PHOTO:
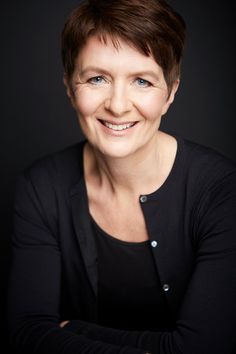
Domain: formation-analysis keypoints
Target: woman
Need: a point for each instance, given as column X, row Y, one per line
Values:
column 125, row 242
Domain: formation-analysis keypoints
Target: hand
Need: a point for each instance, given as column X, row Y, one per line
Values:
column 63, row 323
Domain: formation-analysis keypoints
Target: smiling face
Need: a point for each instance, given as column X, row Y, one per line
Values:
column 119, row 96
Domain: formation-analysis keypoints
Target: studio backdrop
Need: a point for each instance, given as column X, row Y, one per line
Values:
column 36, row 116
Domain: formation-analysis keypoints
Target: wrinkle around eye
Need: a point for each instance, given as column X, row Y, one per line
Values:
column 76, row 85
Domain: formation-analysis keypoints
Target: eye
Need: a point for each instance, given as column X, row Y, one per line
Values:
column 97, row 80
column 142, row 82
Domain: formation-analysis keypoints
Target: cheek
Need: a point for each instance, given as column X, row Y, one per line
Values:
column 152, row 106
column 87, row 103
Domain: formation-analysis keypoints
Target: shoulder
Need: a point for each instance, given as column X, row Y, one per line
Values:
column 52, row 175
column 44, row 187
column 207, row 177
column 203, row 163
column 65, row 165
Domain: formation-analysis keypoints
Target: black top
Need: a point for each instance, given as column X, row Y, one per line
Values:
column 191, row 223
column 130, row 295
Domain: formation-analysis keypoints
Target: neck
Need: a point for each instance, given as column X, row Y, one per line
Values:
column 141, row 173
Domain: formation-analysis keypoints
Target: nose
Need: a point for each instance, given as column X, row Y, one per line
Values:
column 118, row 101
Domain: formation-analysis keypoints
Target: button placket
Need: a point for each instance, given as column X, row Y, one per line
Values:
column 154, row 244
column 143, row 199
column 166, row 287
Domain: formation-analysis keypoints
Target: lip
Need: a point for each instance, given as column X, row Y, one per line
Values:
column 116, row 122
column 119, row 133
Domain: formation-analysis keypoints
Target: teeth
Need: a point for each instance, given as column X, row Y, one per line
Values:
column 118, row 126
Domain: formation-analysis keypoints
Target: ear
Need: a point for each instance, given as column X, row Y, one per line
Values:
column 171, row 96
column 173, row 91
column 69, row 90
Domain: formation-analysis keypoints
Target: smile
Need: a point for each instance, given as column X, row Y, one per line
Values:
column 117, row 127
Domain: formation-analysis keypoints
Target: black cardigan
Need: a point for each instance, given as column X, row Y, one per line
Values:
column 191, row 222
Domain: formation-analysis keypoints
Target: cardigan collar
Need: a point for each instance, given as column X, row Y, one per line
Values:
column 82, row 224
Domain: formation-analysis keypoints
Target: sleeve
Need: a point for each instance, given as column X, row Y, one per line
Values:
column 206, row 321
column 34, row 280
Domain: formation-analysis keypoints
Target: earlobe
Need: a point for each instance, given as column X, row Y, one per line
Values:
column 171, row 96
column 67, row 85
column 173, row 91
column 69, row 90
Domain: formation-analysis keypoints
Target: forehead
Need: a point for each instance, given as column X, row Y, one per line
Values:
column 119, row 55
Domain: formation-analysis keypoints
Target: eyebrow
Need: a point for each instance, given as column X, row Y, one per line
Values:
column 106, row 72
column 93, row 69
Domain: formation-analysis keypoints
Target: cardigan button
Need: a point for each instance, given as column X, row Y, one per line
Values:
column 166, row 287
column 154, row 244
column 143, row 199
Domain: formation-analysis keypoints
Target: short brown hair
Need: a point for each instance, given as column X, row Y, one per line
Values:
column 151, row 26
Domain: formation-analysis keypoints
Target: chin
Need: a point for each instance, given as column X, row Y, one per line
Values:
column 116, row 151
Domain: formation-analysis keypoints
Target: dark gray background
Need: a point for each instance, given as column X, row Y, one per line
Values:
column 36, row 115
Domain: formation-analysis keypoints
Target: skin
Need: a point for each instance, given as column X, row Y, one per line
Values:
column 126, row 87
column 120, row 97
